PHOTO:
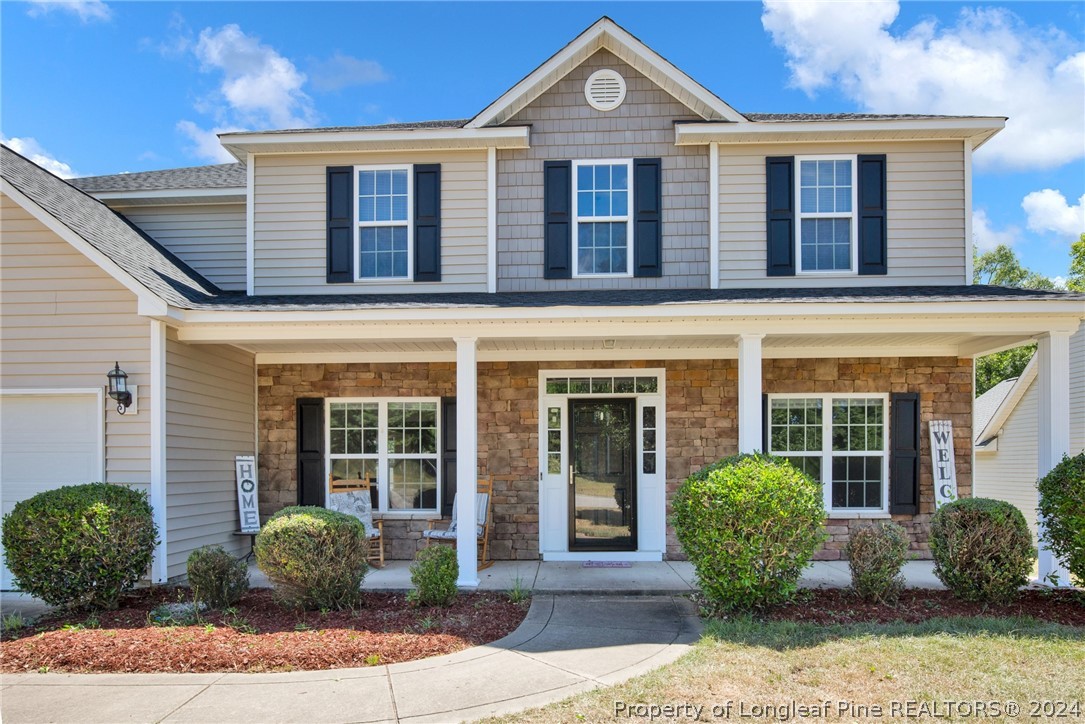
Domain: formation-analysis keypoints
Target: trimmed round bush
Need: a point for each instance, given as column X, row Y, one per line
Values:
column 216, row 577
column 80, row 546
column 982, row 549
column 749, row 524
column 1062, row 508
column 876, row 553
column 434, row 573
column 317, row 558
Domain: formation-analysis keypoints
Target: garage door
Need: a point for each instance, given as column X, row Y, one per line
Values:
column 47, row 441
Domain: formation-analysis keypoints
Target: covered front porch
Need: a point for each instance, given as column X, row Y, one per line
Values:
column 695, row 374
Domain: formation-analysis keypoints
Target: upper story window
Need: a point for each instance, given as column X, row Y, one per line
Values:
column 826, row 224
column 839, row 441
column 383, row 242
column 603, row 222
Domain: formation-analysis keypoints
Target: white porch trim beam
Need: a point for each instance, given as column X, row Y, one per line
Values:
column 1053, row 419
column 750, row 418
column 466, row 459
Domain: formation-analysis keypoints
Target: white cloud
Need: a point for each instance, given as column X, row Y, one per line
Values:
column 33, row 150
column 87, row 10
column 1048, row 210
column 205, row 143
column 989, row 63
column 986, row 237
column 259, row 85
column 343, row 71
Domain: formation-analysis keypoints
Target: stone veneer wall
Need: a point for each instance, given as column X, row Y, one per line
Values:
column 702, row 427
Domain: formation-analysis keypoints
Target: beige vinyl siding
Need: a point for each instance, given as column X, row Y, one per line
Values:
column 1077, row 391
column 63, row 324
column 210, row 238
column 565, row 128
column 1010, row 473
column 925, row 215
column 210, row 418
column 289, row 233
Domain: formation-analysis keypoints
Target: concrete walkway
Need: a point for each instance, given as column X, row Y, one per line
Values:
column 566, row 645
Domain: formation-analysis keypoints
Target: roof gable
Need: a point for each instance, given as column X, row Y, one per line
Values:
column 605, row 33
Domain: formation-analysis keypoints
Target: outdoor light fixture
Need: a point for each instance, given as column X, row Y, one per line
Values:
column 118, row 387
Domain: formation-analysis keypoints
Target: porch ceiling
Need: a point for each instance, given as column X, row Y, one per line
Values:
column 659, row 347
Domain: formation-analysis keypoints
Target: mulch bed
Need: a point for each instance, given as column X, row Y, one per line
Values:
column 260, row 636
column 841, row 606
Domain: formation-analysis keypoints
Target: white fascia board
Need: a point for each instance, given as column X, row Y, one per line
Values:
column 147, row 299
column 979, row 130
column 1009, row 403
column 442, row 139
column 167, row 195
column 603, row 34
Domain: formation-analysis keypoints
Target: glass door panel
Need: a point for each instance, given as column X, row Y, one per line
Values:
column 602, row 475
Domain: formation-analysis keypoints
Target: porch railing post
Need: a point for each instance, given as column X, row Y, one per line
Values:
column 466, row 459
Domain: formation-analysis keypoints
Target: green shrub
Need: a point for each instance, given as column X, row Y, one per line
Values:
column 434, row 573
column 216, row 577
column 982, row 549
column 1062, row 507
column 876, row 554
column 315, row 557
column 750, row 525
column 80, row 546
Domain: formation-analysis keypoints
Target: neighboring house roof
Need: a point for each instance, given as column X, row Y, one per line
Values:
column 411, row 126
column 992, row 409
column 219, row 176
column 136, row 254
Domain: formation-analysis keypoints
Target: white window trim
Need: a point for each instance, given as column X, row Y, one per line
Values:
column 827, row 452
column 383, row 457
column 628, row 218
column 799, row 216
column 409, row 223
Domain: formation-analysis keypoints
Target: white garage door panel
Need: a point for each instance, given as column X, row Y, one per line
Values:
column 47, row 441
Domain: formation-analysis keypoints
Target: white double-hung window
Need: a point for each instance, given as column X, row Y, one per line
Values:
column 394, row 442
column 827, row 226
column 604, row 224
column 383, row 238
column 839, row 441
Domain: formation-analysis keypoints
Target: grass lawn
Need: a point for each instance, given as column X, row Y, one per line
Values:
column 751, row 663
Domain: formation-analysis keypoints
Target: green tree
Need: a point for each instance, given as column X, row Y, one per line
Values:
column 1076, row 281
column 1000, row 266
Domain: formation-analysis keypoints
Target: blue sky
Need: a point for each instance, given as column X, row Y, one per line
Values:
column 93, row 87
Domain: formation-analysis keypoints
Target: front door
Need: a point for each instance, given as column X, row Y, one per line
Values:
column 602, row 475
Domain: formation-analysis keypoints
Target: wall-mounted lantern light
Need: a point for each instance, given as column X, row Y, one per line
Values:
column 118, row 388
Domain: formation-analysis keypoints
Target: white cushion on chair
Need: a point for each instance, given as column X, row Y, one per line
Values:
column 356, row 503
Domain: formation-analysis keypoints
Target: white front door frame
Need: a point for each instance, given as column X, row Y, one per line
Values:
column 651, row 498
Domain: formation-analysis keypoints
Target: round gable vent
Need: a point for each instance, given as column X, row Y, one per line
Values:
column 605, row 89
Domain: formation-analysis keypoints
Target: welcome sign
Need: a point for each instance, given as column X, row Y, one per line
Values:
column 943, row 463
column 247, row 506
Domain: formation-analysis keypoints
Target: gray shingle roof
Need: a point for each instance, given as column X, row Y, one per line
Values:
column 987, row 405
column 221, row 176
column 785, row 117
column 633, row 298
column 410, row 126
column 108, row 232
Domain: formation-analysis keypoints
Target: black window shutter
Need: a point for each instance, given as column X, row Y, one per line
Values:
column 647, row 217
column 340, row 218
column 780, row 215
column 427, row 222
column 310, row 422
column 872, row 235
column 448, row 454
column 766, row 423
column 904, row 453
column 557, row 219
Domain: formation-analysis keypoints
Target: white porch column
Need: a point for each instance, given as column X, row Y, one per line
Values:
column 1053, row 415
column 750, row 422
column 466, row 459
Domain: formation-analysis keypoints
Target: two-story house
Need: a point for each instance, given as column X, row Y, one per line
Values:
column 602, row 281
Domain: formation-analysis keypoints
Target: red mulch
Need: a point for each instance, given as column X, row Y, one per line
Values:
column 841, row 606
column 261, row 636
